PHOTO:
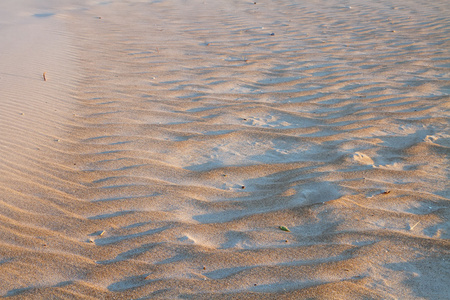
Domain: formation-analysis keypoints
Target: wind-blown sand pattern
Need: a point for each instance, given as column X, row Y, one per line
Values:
column 173, row 138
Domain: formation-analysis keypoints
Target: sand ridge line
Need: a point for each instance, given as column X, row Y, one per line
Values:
column 183, row 104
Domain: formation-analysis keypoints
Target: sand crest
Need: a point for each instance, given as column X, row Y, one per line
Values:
column 171, row 139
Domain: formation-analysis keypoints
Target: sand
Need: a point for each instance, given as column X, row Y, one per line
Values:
column 173, row 138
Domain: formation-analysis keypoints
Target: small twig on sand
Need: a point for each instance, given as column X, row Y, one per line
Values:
column 414, row 225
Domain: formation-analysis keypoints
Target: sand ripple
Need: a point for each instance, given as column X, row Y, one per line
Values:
column 200, row 128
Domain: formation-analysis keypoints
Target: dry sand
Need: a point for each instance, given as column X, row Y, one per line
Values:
column 173, row 138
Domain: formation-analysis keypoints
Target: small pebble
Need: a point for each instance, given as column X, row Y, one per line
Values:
column 243, row 187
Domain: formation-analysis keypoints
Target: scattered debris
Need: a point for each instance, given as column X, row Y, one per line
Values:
column 385, row 192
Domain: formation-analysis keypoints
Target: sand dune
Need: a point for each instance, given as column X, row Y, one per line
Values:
column 173, row 138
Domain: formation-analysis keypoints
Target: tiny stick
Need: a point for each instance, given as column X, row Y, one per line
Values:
column 414, row 225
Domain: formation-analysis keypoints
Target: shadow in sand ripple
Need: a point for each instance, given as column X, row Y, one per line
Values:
column 129, row 254
column 130, row 282
column 116, row 239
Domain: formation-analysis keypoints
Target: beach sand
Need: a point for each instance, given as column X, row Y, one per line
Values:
column 171, row 139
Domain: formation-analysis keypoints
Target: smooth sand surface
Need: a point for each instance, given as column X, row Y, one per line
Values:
column 173, row 138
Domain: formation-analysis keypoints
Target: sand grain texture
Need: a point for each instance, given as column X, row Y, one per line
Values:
column 172, row 139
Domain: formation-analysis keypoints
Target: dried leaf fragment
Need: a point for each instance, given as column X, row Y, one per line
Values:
column 284, row 228
column 44, row 75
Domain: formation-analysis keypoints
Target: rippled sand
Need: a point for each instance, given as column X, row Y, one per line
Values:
column 173, row 138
